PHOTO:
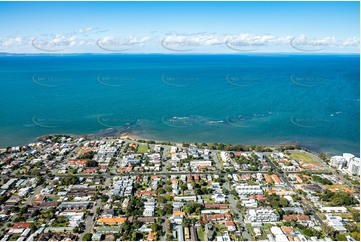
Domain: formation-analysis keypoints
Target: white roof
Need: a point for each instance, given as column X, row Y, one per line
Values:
column 276, row 230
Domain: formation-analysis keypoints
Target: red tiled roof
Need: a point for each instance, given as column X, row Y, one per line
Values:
column 21, row 225
column 229, row 223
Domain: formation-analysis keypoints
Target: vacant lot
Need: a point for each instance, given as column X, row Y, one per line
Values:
column 142, row 148
column 303, row 157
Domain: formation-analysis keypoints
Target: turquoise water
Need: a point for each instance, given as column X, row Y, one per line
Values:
column 313, row 100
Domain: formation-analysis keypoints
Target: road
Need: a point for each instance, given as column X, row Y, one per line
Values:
column 163, row 237
column 90, row 219
column 34, row 193
column 233, row 204
column 215, row 159
column 165, row 159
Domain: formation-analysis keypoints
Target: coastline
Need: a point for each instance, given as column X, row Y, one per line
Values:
column 136, row 137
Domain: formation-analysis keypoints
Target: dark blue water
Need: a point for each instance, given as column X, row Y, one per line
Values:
column 258, row 99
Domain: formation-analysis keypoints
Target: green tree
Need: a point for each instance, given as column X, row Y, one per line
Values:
column 87, row 237
column 356, row 215
column 91, row 163
column 168, row 208
column 328, row 230
column 161, row 190
column 154, row 227
column 283, row 202
column 341, row 237
column 104, row 198
column 192, row 207
column 356, row 235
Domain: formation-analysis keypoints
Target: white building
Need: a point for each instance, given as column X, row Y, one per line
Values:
column 149, row 208
column 354, row 166
column 75, row 218
column 348, row 157
column 262, row 214
column 278, row 234
column 219, row 198
column 235, row 177
column 201, row 163
column 347, row 162
column 185, row 198
column 173, row 149
column 336, row 222
column 249, row 203
column 245, row 189
column 334, row 209
column 338, row 161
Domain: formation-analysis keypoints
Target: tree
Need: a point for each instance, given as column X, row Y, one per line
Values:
column 135, row 225
column 168, row 188
column 341, row 237
column 352, row 227
column 234, row 193
column 33, row 227
column 186, row 222
column 168, row 197
column 356, row 235
column 356, row 215
column 283, row 202
column 192, row 207
column 161, row 190
column 161, row 199
column 61, row 219
column 87, row 237
column 310, row 232
column 168, row 208
column 183, row 187
column 321, row 180
column 98, row 211
column 154, row 227
column 88, row 155
column 134, row 236
column 338, row 198
column 104, row 198
column 328, row 230
column 91, row 163
column 167, row 225
column 323, row 156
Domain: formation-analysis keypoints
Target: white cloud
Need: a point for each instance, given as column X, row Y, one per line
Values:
column 176, row 41
column 85, row 30
column 354, row 42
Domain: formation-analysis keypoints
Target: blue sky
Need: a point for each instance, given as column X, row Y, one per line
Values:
column 179, row 27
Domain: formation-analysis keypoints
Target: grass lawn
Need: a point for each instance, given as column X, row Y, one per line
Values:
column 219, row 157
column 207, row 199
column 219, row 229
column 267, row 228
column 344, row 215
column 304, row 157
column 55, row 224
column 14, row 237
column 200, row 234
column 250, row 231
column 142, row 148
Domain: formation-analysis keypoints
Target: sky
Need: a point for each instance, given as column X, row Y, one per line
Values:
column 179, row 27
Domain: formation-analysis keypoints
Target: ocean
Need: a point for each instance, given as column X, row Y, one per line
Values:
column 312, row 100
